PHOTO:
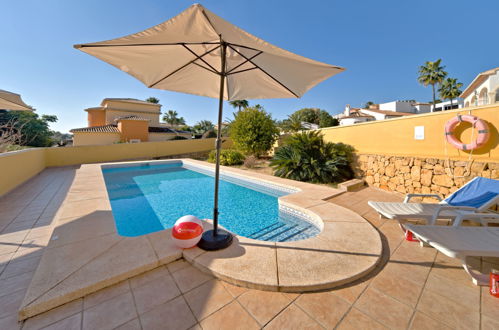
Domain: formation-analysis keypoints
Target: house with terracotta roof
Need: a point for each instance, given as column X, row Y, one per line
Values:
column 124, row 120
column 358, row 115
column 483, row 90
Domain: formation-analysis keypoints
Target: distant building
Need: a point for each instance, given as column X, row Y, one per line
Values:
column 124, row 120
column 483, row 90
column 357, row 115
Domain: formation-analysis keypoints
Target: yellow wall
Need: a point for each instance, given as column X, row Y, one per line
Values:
column 396, row 136
column 18, row 166
column 126, row 151
column 96, row 117
column 91, row 139
column 133, row 129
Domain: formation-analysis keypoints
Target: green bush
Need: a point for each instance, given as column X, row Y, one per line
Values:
column 228, row 157
column 307, row 157
column 253, row 131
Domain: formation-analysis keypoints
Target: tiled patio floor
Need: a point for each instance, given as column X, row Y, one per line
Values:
column 415, row 288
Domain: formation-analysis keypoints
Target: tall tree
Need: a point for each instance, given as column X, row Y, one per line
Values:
column 368, row 104
column 171, row 117
column 34, row 130
column 152, row 99
column 432, row 73
column 239, row 104
column 450, row 89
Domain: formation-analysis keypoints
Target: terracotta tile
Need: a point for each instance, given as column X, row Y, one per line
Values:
column 70, row 323
column 231, row 316
column 263, row 305
column 54, row 315
column 466, row 294
column 490, row 304
column 326, row 308
column 447, row 311
column 410, row 271
column 293, row 318
column 234, row 290
column 424, row 322
column 154, row 293
column 24, row 265
column 130, row 325
column 10, row 322
column 157, row 273
column 177, row 265
column 351, row 293
column 189, row 278
column 110, row 314
column 489, row 323
column 207, row 298
column 105, row 294
column 384, row 309
column 174, row 315
column 15, row 283
column 398, row 287
column 356, row 320
column 9, row 304
column 450, row 268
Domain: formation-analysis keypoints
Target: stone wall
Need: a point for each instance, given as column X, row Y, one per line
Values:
column 420, row 175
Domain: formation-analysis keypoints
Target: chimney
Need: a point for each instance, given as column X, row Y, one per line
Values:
column 347, row 110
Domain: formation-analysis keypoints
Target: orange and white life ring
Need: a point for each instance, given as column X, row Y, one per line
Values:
column 479, row 124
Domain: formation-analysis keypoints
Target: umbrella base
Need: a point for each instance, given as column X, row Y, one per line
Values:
column 211, row 242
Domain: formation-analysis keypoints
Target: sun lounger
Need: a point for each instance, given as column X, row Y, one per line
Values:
column 477, row 195
column 462, row 243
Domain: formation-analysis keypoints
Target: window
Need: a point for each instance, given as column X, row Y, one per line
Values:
column 467, row 104
column 497, row 95
column 473, row 101
column 484, row 97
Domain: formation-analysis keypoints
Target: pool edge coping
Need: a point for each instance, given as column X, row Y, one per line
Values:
column 160, row 246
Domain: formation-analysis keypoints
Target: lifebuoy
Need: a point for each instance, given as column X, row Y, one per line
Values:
column 483, row 132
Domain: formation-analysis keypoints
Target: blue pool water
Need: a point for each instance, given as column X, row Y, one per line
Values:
column 149, row 198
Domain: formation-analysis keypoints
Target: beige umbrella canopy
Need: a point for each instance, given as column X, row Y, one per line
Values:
column 183, row 54
column 199, row 53
column 12, row 101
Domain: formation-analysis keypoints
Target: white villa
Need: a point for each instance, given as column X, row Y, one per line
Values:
column 483, row 90
column 357, row 115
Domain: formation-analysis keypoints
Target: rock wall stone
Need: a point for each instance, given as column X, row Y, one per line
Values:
column 420, row 175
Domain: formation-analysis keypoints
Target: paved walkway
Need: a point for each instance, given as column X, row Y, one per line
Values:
column 415, row 288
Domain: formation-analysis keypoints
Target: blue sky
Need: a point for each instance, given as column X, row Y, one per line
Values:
column 381, row 43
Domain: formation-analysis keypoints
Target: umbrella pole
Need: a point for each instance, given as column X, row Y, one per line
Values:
column 217, row 239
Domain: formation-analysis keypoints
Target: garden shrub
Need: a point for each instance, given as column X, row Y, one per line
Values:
column 253, row 131
column 250, row 162
column 307, row 157
column 228, row 157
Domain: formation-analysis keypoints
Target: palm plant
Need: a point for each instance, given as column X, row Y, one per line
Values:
column 152, row 99
column 171, row 117
column 432, row 73
column 239, row 104
column 450, row 89
column 292, row 124
column 306, row 156
column 203, row 126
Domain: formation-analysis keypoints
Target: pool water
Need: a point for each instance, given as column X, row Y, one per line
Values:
column 149, row 198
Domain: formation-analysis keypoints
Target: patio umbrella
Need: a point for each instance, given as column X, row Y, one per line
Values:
column 12, row 101
column 197, row 52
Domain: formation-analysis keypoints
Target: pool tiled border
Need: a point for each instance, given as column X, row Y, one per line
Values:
column 86, row 254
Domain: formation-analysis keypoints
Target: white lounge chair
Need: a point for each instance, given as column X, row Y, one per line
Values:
column 463, row 242
column 477, row 195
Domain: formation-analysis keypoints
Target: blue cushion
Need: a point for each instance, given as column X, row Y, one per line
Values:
column 476, row 193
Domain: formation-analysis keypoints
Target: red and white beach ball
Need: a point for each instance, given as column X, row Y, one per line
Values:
column 187, row 231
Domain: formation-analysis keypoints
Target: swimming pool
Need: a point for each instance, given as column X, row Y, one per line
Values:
column 148, row 197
